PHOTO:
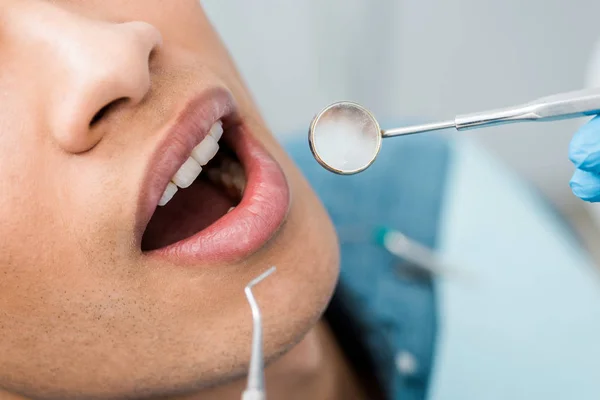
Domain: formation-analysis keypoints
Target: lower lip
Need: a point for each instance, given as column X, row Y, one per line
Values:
column 251, row 224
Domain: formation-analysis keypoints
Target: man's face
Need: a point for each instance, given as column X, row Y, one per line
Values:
column 102, row 293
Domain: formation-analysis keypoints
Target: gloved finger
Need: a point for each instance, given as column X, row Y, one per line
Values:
column 586, row 185
column 584, row 150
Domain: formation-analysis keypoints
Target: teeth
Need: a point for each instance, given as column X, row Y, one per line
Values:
column 230, row 210
column 201, row 155
column 230, row 175
column 206, row 150
column 226, row 164
column 239, row 181
column 227, row 179
column 168, row 194
column 208, row 147
column 187, row 174
column 216, row 131
column 236, row 170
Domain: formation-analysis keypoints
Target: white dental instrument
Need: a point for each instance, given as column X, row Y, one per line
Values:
column 345, row 137
column 255, row 389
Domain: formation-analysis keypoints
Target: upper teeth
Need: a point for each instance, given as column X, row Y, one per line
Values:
column 192, row 167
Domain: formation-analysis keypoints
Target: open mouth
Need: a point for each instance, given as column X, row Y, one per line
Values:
column 207, row 186
column 212, row 191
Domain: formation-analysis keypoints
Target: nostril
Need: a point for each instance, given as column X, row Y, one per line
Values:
column 104, row 110
column 152, row 55
column 99, row 115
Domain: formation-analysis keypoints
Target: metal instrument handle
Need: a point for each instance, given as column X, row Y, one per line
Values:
column 580, row 103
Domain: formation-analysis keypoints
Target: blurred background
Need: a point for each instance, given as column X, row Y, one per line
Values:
column 427, row 59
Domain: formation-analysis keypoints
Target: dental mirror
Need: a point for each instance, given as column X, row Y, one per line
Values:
column 345, row 138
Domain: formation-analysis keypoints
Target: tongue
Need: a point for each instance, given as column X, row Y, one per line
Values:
column 190, row 211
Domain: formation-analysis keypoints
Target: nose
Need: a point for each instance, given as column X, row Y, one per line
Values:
column 90, row 67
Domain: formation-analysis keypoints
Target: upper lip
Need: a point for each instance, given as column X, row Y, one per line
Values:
column 190, row 126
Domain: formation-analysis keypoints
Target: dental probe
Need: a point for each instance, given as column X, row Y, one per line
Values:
column 345, row 137
column 255, row 389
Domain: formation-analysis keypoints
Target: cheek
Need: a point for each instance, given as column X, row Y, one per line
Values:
column 24, row 209
column 97, row 201
column 44, row 214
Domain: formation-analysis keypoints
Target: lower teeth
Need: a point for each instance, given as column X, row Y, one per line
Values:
column 230, row 175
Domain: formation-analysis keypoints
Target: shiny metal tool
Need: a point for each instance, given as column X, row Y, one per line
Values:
column 345, row 137
column 255, row 388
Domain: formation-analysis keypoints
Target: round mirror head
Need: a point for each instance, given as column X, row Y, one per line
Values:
column 345, row 138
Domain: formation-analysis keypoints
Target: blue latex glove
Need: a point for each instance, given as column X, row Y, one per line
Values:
column 584, row 152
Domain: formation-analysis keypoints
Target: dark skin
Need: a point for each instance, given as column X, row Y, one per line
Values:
column 84, row 313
